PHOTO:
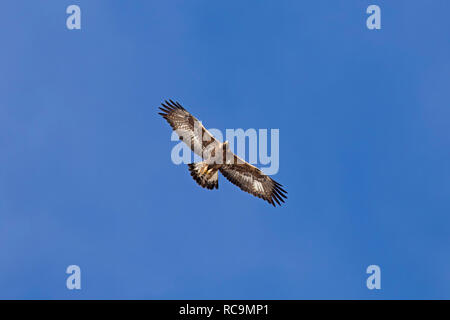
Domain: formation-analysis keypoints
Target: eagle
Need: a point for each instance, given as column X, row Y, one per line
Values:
column 217, row 156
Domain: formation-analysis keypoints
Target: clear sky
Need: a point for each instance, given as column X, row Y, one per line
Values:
column 86, row 176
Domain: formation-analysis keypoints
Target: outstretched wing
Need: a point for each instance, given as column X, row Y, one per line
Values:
column 250, row 179
column 189, row 129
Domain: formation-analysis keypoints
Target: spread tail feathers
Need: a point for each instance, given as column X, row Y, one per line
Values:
column 205, row 176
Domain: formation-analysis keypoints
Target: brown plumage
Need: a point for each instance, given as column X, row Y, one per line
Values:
column 239, row 172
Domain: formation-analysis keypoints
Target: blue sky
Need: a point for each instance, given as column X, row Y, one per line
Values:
column 86, row 176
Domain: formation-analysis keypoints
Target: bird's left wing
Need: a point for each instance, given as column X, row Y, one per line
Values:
column 250, row 179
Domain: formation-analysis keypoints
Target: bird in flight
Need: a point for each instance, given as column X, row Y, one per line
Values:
column 218, row 157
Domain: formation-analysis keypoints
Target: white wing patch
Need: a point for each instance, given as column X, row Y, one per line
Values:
column 257, row 186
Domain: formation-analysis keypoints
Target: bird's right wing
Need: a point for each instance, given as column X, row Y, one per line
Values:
column 189, row 129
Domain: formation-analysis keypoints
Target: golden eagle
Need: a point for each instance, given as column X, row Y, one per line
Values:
column 218, row 157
